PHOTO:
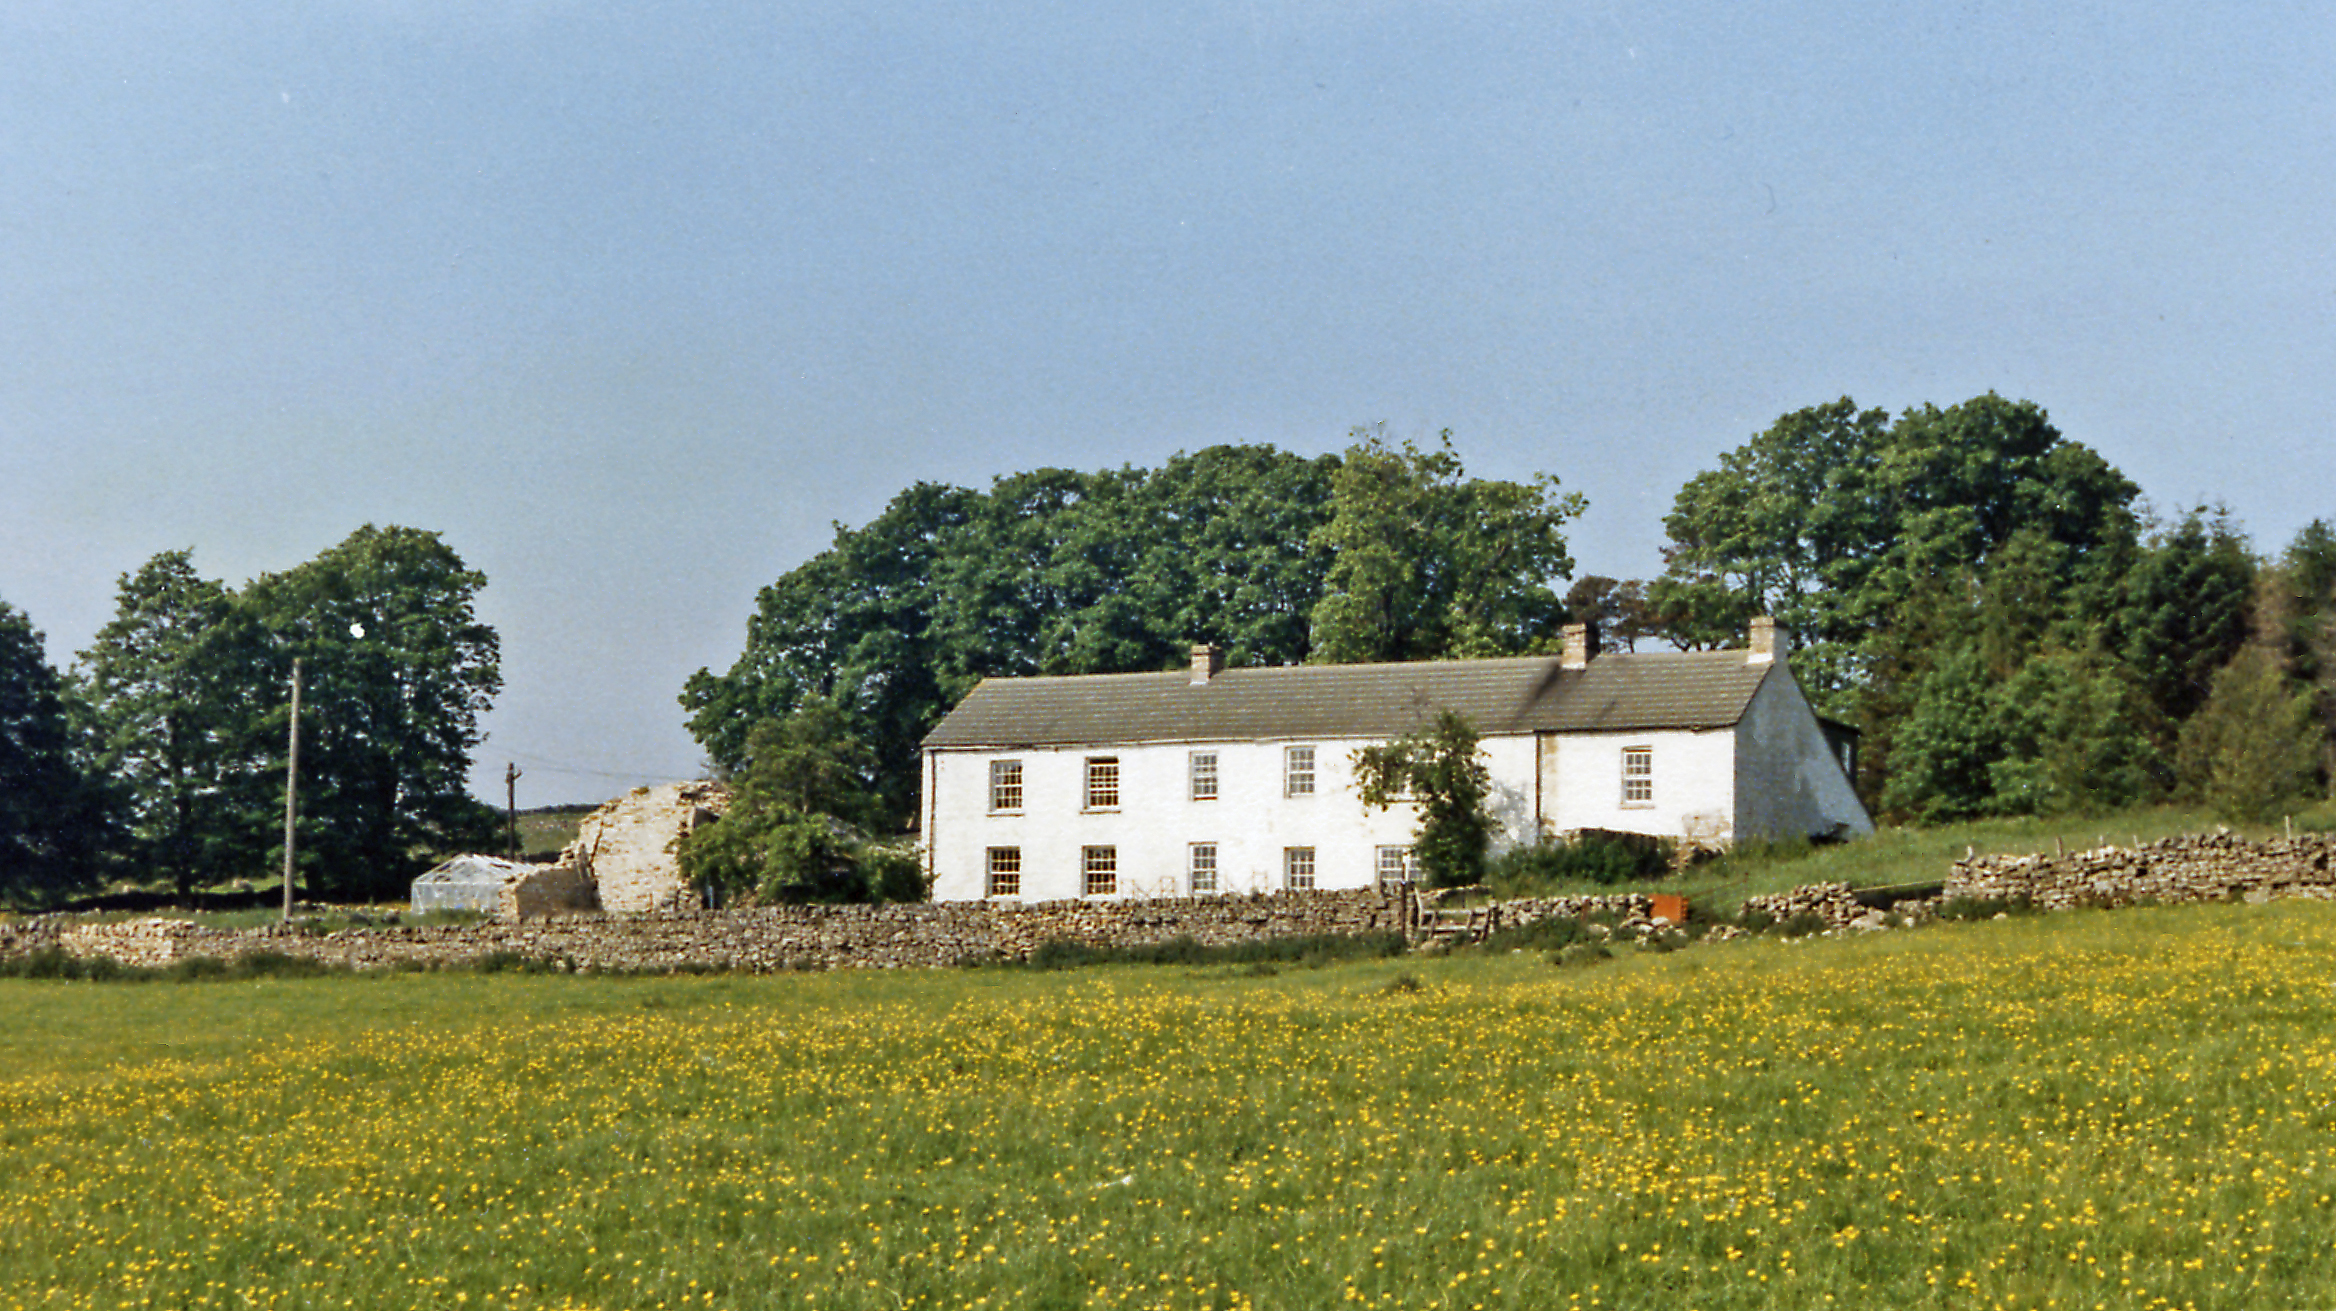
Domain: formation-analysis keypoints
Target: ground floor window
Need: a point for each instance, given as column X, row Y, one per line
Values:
column 1101, row 866
column 1005, row 872
column 1297, row 868
column 1203, row 867
column 1638, row 776
column 1393, row 867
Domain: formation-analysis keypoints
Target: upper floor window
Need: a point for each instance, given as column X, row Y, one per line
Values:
column 1203, row 867
column 1638, row 776
column 1204, row 775
column 1005, row 872
column 1005, row 785
column 1297, row 771
column 1100, row 866
column 1297, row 868
column 1102, row 782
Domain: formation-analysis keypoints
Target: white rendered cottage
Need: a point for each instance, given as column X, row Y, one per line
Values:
column 1242, row 780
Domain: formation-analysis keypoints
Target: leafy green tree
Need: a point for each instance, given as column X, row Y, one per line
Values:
column 1620, row 609
column 163, row 711
column 1052, row 571
column 792, row 832
column 855, row 626
column 1439, row 769
column 1427, row 563
column 2183, row 609
column 398, row 669
column 1790, row 524
column 2306, row 619
column 49, row 819
column 2079, row 735
column 1945, row 748
column 1851, row 528
column 2256, row 743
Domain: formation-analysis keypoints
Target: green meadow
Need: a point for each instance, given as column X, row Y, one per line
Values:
column 2125, row 1109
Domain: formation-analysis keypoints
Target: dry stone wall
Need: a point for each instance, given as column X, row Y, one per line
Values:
column 2197, row 867
column 759, row 939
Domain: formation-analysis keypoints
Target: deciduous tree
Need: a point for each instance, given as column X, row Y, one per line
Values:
column 165, row 710
column 399, row 668
column 48, row 818
column 1438, row 769
column 1427, row 563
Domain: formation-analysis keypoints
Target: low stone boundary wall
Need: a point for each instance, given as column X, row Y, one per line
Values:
column 1834, row 903
column 759, row 939
column 2196, row 867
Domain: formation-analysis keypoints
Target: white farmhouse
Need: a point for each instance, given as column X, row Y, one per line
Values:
column 1242, row 780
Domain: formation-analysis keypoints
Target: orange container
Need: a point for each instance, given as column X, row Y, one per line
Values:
column 1671, row 906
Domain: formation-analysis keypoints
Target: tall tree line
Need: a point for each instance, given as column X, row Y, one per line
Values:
column 161, row 750
column 1988, row 601
column 1389, row 551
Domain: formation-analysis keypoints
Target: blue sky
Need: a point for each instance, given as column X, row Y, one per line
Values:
column 631, row 302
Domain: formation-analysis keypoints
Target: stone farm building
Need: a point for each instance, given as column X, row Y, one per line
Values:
column 1237, row 780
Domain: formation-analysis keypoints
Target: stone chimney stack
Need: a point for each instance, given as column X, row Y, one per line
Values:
column 1769, row 642
column 1208, row 660
column 1581, row 646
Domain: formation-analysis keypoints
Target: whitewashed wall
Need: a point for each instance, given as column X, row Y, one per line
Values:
column 1251, row 821
column 1788, row 781
column 1694, row 783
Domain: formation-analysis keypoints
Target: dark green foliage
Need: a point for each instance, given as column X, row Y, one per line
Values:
column 793, row 830
column 1427, row 563
column 1550, row 934
column 2078, row 735
column 1439, row 770
column 188, row 693
column 1053, row 571
column 1975, row 537
column 2257, row 744
column 1983, row 908
column 1308, row 950
column 1788, row 525
column 1620, row 609
column 1579, row 954
column 168, row 718
column 51, row 820
column 1943, row 751
column 1605, row 859
column 2183, row 610
column 398, row 671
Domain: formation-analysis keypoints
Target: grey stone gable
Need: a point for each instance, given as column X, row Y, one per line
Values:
column 1525, row 694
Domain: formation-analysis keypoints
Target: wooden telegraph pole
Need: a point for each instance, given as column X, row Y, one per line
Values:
column 511, row 802
column 291, row 789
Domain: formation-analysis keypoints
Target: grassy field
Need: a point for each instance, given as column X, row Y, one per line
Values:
column 547, row 829
column 2129, row 1109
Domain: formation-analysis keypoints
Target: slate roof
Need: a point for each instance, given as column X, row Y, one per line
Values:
column 1527, row 694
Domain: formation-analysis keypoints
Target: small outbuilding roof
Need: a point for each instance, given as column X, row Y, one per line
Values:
column 476, row 869
column 1524, row 694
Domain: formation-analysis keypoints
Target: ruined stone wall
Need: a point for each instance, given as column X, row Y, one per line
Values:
column 628, row 845
column 565, row 888
column 2198, row 867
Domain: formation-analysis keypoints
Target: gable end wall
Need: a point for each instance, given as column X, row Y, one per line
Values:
column 1789, row 783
